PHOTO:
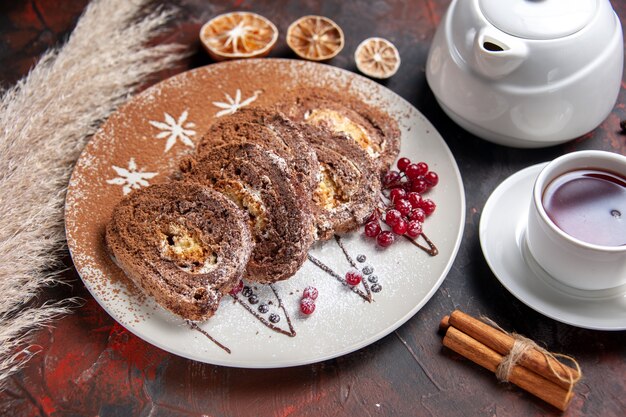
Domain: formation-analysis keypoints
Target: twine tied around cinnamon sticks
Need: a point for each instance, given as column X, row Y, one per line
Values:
column 512, row 357
column 523, row 346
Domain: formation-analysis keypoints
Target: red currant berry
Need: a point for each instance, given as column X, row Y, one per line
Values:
column 403, row 163
column 428, row 206
column 374, row 216
column 353, row 278
column 414, row 228
column 419, row 186
column 237, row 289
column 415, row 199
column 400, row 228
column 307, row 306
column 403, row 206
column 385, row 238
column 372, row 229
column 417, row 214
column 422, row 168
column 391, row 178
column 412, row 171
column 310, row 292
column 397, row 194
column 431, row 178
column 392, row 217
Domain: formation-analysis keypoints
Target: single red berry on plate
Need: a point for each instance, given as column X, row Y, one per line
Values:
column 307, row 306
column 372, row 229
column 422, row 168
column 419, row 186
column 237, row 289
column 400, row 227
column 417, row 214
column 385, row 238
column 415, row 199
column 392, row 217
column 403, row 206
column 391, row 178
column 412, row 171
column 428, row 206
column 431, row 178
column 310, row 292
column 397, row 194
column 414, row 228
column 353, row 278
column 403, row 163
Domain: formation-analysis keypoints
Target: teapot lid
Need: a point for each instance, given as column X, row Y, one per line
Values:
column 539, row 19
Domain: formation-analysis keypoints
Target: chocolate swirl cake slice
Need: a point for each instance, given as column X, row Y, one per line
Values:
column 349, row 185
column 183, row 244
column 261, row 183
column 373, row 130
column 270, row 130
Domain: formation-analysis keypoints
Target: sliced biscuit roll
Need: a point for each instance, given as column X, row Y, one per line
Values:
column 183, row 244
column 261, row 183
column 373, row 130
column 349, row 186
column 270, row 130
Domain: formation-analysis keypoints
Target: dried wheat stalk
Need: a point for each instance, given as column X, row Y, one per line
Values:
column 45, row 120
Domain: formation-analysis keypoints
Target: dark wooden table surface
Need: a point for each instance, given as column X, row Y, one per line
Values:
column 89, row 365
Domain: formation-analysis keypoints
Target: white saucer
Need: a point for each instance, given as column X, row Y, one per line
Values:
column 502, row 238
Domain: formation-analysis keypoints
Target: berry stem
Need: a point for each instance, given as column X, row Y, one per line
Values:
column 290, row 333
column 431, row 249
column 351, row 261
column 338, row 277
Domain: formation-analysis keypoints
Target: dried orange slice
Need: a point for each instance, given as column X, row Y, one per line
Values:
column 238, row 35
column 377, row 58
column 315, row 38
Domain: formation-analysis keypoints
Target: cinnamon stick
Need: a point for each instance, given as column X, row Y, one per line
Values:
column 482, row 355
column 502, row 343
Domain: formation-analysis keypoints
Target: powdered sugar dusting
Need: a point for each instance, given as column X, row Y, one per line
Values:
column 175, row 129
column 131, row 178
column 282, row 164
column 231, row 105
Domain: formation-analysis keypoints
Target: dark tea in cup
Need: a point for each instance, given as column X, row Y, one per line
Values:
column 589, row 205
column 576, row 229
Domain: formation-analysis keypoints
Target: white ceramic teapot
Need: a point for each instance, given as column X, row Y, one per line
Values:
column 527, row 73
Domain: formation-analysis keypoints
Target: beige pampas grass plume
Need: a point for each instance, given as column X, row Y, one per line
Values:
column 45, row 120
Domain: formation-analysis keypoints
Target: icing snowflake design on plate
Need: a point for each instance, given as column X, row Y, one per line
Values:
column 131, row 178
column 173, row 130
column 231, row 105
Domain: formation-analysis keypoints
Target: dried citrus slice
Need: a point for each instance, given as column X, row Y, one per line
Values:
column 377, row 58
column 238, row 35
column 315, row 38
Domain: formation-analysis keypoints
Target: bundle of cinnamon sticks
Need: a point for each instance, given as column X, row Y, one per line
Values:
column 536, row 370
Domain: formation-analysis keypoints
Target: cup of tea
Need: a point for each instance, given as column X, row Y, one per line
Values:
column 577, row 220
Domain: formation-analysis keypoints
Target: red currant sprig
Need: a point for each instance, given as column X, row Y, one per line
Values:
column 307, row 302
column 407, row 209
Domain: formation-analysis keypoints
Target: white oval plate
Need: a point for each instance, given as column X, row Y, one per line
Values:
column 141, row 144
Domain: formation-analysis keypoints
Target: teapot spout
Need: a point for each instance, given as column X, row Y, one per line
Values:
column 497, row 54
